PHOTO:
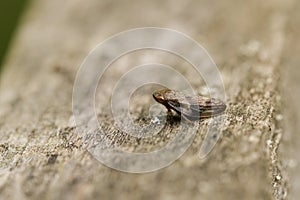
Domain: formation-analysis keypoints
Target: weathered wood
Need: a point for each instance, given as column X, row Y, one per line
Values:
column 42, row 156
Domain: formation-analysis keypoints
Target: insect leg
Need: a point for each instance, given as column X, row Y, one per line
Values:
column 187, row 119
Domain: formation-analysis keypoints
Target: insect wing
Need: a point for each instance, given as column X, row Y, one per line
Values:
column 190, row 111
column 198, row 107
column 192, row 107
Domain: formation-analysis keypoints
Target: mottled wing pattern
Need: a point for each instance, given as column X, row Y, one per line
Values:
column 195, row 107
column 185, row 109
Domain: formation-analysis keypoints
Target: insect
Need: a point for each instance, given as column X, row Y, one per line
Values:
column 191, row 108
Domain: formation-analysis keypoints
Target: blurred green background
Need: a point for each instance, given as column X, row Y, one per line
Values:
column 10, row 13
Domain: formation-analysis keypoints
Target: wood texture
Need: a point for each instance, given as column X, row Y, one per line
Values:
column 41, row 155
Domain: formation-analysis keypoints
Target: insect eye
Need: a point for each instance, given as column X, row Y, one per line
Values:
column 157, row 95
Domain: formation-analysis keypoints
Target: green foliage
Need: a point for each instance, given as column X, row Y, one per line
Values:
column 10, row 12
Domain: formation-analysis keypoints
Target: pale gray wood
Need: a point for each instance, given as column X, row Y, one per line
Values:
column 41, row 155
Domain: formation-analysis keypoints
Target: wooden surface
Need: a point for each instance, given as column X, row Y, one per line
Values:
column 42, row 156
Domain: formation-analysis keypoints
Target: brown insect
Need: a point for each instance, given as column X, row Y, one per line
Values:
column 189, row 107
